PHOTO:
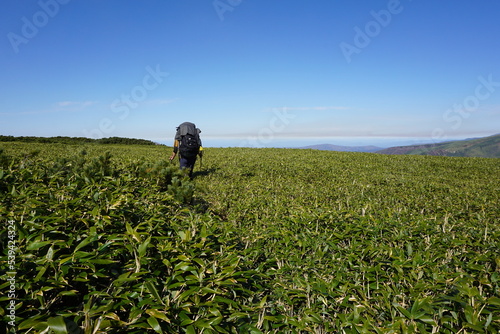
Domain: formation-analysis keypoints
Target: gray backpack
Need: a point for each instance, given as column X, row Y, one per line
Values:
column 189, row 139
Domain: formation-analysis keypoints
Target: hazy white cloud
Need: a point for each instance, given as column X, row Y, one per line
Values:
column 161, row 101
column 75, row 103
column 492, row 110
column 149, row 103
column 61, row 106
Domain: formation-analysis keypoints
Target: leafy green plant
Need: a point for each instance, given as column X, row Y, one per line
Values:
column 113, row 239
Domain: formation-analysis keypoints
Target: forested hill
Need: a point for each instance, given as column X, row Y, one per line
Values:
column 487, row 147
column 77, row 140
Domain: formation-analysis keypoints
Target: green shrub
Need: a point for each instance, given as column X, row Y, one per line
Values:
column 117, row 239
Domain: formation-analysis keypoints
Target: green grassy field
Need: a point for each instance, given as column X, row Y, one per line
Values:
column 486, row 147
column 114, row 239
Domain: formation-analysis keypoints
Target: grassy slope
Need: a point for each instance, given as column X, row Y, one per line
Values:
column 488, row 147
column 368, row 231
column 353, row 240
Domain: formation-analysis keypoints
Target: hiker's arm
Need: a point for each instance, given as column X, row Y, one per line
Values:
column 200, row 152
column 176, row 149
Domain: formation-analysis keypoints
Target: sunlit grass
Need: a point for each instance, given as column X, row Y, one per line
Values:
column 114, row 238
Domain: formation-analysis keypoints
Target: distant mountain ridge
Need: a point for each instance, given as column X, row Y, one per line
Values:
column 330, row 147
column 486, row 147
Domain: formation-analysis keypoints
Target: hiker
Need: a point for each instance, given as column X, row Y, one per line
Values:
column 187, row 143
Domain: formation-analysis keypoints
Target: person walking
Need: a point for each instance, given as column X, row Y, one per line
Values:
column 187, row 144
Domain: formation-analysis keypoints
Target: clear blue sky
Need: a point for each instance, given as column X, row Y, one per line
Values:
column 252, row 72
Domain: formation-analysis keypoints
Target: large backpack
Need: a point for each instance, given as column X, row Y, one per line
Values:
column 189, row 140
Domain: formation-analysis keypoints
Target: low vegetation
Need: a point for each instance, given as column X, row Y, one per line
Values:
column 77, row 140
column 486, row 147
column 114, row 239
